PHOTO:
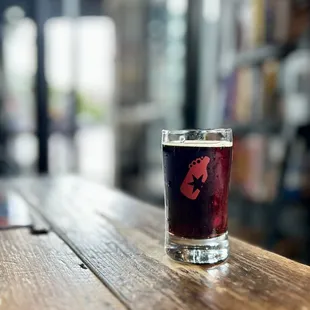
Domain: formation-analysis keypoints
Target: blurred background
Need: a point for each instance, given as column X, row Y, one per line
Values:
column 87, row 85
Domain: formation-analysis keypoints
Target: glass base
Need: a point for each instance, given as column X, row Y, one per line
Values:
column 197, row 251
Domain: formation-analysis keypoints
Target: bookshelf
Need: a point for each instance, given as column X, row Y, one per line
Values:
column 262, row 46
column 261, row 127
column 259, row 55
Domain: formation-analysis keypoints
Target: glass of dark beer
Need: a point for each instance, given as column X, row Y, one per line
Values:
column 197, row 166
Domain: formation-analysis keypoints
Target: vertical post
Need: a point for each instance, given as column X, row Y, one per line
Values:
column 71, row 8
column 194, row 14
column 41, row 10
column 2, row 129
column 131, row 58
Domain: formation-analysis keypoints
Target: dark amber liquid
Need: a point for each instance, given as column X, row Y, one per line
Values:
column 196, row 194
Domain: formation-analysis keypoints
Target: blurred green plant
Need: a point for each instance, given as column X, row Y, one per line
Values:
column 87, row 107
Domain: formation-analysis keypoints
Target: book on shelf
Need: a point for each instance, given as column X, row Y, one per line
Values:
column 248, row 166
column 259, row 13
column 269, row 22
column 257, row 166
column 282, row 19
column 250, row 94
column 244, row 94
column 271, row 105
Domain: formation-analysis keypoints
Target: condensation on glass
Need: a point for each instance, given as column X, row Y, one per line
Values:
column 197, row 166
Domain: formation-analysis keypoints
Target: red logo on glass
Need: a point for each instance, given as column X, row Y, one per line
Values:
column 195, row 178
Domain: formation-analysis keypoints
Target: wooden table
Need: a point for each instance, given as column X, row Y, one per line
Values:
column 104, row 250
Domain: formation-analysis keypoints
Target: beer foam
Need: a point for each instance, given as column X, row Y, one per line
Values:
column 199, row 143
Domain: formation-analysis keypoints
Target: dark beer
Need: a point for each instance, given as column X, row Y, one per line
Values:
column 196, row 187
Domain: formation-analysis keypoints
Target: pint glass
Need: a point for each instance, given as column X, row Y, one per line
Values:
column 197, row 166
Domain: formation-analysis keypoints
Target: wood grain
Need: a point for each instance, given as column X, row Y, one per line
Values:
column 41, row 272
column 121, row 240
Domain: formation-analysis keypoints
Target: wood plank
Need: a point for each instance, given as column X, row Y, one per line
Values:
column 41, row 272
column 121, row 240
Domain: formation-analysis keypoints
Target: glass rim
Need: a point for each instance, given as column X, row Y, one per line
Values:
column 185, row 131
